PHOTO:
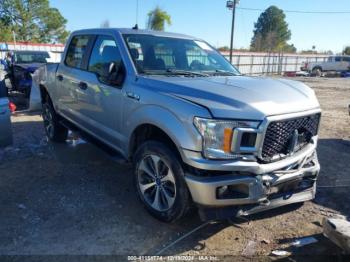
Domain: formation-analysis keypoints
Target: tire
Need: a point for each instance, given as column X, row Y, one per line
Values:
column 54, row 130
column 317, row 71
column 157, row 170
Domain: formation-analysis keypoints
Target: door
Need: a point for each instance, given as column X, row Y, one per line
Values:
column 337, row 65
column 346, row 63
column 69, row 75
column 100, row 99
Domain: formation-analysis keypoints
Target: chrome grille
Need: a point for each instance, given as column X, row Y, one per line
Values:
column 279, row 136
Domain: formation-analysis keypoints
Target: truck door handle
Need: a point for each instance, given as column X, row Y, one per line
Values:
column 133, row 96
column 83, row 85
column 60, row 77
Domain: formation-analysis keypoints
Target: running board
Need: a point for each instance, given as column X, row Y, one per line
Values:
column 111, row 153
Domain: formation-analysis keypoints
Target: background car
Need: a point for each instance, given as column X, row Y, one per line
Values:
column 24, row 65
column 333, row 63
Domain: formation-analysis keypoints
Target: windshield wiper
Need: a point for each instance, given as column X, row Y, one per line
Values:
column 219, row 72
column 184, row 72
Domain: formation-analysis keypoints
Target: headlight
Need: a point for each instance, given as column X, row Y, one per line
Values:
column 217, row 136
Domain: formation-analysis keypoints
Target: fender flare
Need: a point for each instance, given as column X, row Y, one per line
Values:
column 181, row 134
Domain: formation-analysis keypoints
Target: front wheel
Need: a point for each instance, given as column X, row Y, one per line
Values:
column 53, row 128
column 159, row 180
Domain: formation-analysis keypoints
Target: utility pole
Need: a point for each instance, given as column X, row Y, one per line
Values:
column 231, row 5
column 14, row 38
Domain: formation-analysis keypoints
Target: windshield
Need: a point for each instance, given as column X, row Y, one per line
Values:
column 166, row 55
column 31, row 58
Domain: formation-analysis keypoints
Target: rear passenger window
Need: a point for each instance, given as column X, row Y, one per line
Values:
column 76, row 50
column 104, row 53
column 337, row 59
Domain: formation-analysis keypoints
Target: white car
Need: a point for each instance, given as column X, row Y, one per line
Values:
column 333, row 63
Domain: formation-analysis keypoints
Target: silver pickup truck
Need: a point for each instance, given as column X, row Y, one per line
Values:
column 333, row 63
column 196, row 130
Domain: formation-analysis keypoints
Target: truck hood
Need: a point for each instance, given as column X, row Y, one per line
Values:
column 31, row 68
column 240, row 97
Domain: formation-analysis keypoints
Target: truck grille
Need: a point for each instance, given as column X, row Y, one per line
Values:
column 288, row 136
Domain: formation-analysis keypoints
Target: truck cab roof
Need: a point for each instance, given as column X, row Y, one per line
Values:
column 125, row 31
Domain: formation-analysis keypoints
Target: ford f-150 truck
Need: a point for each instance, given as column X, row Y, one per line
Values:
column 333, row 63
column 195, row 129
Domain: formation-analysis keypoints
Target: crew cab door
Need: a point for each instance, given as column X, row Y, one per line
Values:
column 71, row 71
column 99, row 99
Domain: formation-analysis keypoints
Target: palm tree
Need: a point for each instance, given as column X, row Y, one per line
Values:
column 157, row 19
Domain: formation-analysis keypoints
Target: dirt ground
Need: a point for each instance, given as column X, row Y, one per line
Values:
column 73, row 199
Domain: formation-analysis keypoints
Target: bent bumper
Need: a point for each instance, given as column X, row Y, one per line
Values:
column 291, row 183
column 195, row 159
column 218, row 213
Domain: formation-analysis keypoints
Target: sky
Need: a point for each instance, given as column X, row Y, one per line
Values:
column 211, row 20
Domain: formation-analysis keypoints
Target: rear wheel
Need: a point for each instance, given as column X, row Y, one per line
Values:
column 317, row 71
column 54, row 130
column 159, row 180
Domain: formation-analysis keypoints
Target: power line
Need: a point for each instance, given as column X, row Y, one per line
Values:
column 297, row 12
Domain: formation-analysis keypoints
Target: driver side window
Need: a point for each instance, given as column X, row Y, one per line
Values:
column 105, row 59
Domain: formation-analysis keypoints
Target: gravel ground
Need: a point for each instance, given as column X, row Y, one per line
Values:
column 73, row 199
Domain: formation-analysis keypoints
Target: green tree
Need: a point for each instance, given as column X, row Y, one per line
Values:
column 6, row 34
column 157, row 19
column 290, row 48
column 271, row 31
column 347, row 50
column 33, row 20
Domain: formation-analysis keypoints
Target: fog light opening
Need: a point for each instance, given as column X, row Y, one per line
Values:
column 238, row 191
column 248, row 139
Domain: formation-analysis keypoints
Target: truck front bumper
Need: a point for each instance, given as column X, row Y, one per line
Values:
column 252, row 190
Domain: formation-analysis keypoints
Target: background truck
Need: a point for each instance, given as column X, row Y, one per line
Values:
column 333, row 63
column 195, row 129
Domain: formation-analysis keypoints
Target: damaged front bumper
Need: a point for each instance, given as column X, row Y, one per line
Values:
column 244, row 193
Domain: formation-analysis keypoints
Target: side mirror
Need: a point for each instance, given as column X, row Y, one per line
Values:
column 116, row 74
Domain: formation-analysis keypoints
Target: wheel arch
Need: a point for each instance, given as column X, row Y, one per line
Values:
column 44, row 94
column 317, row 67
column 146, row 132
column 160, row 124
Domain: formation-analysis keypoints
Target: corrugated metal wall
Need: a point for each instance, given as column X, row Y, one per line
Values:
column 265, row 63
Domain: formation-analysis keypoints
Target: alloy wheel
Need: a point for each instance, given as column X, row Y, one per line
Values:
column 48, row 121
column 156, row 182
